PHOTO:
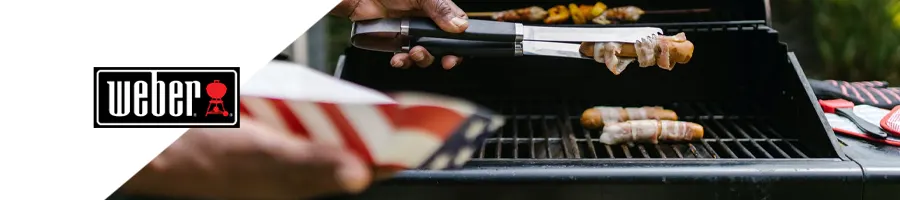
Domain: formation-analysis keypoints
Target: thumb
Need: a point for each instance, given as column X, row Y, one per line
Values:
column 350, row 173
column 445, row 14
column 324, row 169
column 353, row 175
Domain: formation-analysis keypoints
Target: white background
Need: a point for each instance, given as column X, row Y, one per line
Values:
column 48, row 147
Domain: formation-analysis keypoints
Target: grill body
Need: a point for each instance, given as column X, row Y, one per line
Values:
column 765, row 136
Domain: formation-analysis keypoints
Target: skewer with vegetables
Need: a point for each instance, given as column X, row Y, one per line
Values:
column 598, row 13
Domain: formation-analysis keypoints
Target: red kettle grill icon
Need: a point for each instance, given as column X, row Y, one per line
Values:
column 216, row 90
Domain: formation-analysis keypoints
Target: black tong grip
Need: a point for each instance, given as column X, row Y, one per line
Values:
column 469, row 48
column 865, row 126
column 479, row 30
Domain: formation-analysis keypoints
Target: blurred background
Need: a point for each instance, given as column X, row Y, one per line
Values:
column 850, row 40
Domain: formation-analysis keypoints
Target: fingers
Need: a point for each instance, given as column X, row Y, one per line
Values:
column 401, row 60
column 445, row 14
column 384, row 173
column 420, row 56
column 448, row 62
column 417, row 55
column 352, row 174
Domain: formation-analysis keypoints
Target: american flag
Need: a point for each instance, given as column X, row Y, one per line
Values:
column 419, row 131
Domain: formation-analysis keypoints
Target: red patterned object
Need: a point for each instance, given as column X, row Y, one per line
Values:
column 891, row 122
column 420, row 130
column 406, row 130
column 874, row 115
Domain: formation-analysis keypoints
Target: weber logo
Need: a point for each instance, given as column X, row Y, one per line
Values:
column 179, row 97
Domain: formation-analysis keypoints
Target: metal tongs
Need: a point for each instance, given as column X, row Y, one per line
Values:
column 488, row 38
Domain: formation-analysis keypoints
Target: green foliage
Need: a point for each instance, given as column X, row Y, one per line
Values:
column 858, row 39
column 338, row 39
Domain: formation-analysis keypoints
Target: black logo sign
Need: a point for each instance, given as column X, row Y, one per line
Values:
column 176, row 97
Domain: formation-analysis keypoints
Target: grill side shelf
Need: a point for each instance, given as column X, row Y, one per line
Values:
column 880, row 164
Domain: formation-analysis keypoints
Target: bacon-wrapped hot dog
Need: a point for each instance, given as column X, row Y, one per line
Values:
column 596, row 117
column 650, row 131
column 663, row 51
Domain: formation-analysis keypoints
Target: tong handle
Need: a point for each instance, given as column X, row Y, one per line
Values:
column 481, row 30
column 868, row 128
column 469, row 48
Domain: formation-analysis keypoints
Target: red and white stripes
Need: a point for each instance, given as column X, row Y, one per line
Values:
column 397, row 135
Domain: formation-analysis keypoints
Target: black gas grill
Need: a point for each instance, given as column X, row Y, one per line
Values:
column 765, row 136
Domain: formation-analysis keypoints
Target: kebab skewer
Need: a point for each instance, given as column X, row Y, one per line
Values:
column 633, row 14
column 553, row 15
column 597, row 13
column 557, row 14
column 625, row 13
column 529, row 14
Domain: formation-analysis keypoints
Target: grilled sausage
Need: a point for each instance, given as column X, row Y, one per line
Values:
column 663, row 51
column 596, row 117
column 650, row 131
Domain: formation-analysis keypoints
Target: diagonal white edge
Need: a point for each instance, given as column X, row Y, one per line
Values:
column 49, row 50
column 411, row 99
column 286, row 80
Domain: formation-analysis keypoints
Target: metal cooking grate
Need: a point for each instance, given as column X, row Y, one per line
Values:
column 530, row 133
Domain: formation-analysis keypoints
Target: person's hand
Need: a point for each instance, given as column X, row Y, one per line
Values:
column 251, row 162
column 445, row 14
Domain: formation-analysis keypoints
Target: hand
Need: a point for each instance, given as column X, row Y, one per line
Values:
column 445, row 14
column 251, row 162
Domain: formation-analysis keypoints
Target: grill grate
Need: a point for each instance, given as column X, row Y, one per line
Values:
column 531, row 133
